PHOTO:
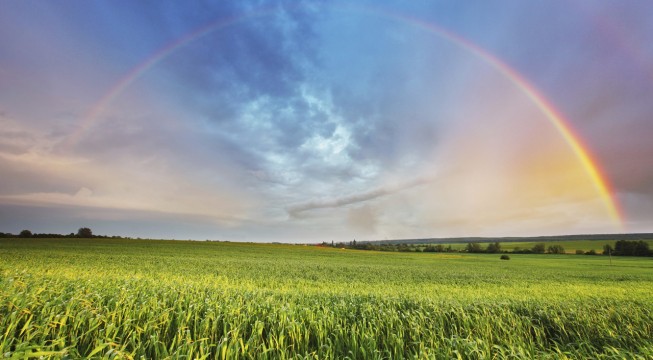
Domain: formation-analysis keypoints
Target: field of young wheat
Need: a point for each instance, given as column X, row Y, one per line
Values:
column 133, row 299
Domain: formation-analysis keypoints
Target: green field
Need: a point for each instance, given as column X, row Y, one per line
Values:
column 100, row 298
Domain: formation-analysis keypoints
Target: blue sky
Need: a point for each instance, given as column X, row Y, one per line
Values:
column 318, row 121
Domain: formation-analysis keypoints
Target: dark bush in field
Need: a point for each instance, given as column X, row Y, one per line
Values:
column 505, row 257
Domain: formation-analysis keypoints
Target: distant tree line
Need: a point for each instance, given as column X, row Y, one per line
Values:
column 533, row 239
column 495, row 247
column 29, row 234
column 403, row 247
column 83, row 232
column 621, row 248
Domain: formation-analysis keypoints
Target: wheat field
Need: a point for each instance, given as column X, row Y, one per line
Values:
column 145, row 299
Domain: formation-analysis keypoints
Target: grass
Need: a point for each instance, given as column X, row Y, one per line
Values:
column 170, row 299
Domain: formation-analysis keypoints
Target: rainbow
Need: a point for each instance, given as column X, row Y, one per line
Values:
column 564, row 128
column 114, row 91
column 557, row 120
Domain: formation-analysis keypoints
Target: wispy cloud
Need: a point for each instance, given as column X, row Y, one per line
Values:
column 361, row 197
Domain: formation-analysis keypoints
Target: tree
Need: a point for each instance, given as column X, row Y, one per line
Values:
column 474, row 248
column 607, row 249
column 494, row 247
column 622, row 247
column 641, row 249
column 539, row 248
column 25, row 234
column 84, row 233
column 556, row 249
column 631, row 248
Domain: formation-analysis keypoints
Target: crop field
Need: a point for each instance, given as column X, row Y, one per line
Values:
column 133, row 299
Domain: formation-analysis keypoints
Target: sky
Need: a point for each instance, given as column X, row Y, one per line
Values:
column 310, row 121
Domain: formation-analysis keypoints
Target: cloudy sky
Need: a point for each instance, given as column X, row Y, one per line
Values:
column 316, row 121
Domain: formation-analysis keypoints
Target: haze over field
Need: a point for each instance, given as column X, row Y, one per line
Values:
column 300, row 121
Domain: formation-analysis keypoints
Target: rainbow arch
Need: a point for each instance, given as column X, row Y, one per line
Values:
column 559, row 122
column 555, row 118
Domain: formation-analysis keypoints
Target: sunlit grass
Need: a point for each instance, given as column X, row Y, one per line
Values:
column 146, row 299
